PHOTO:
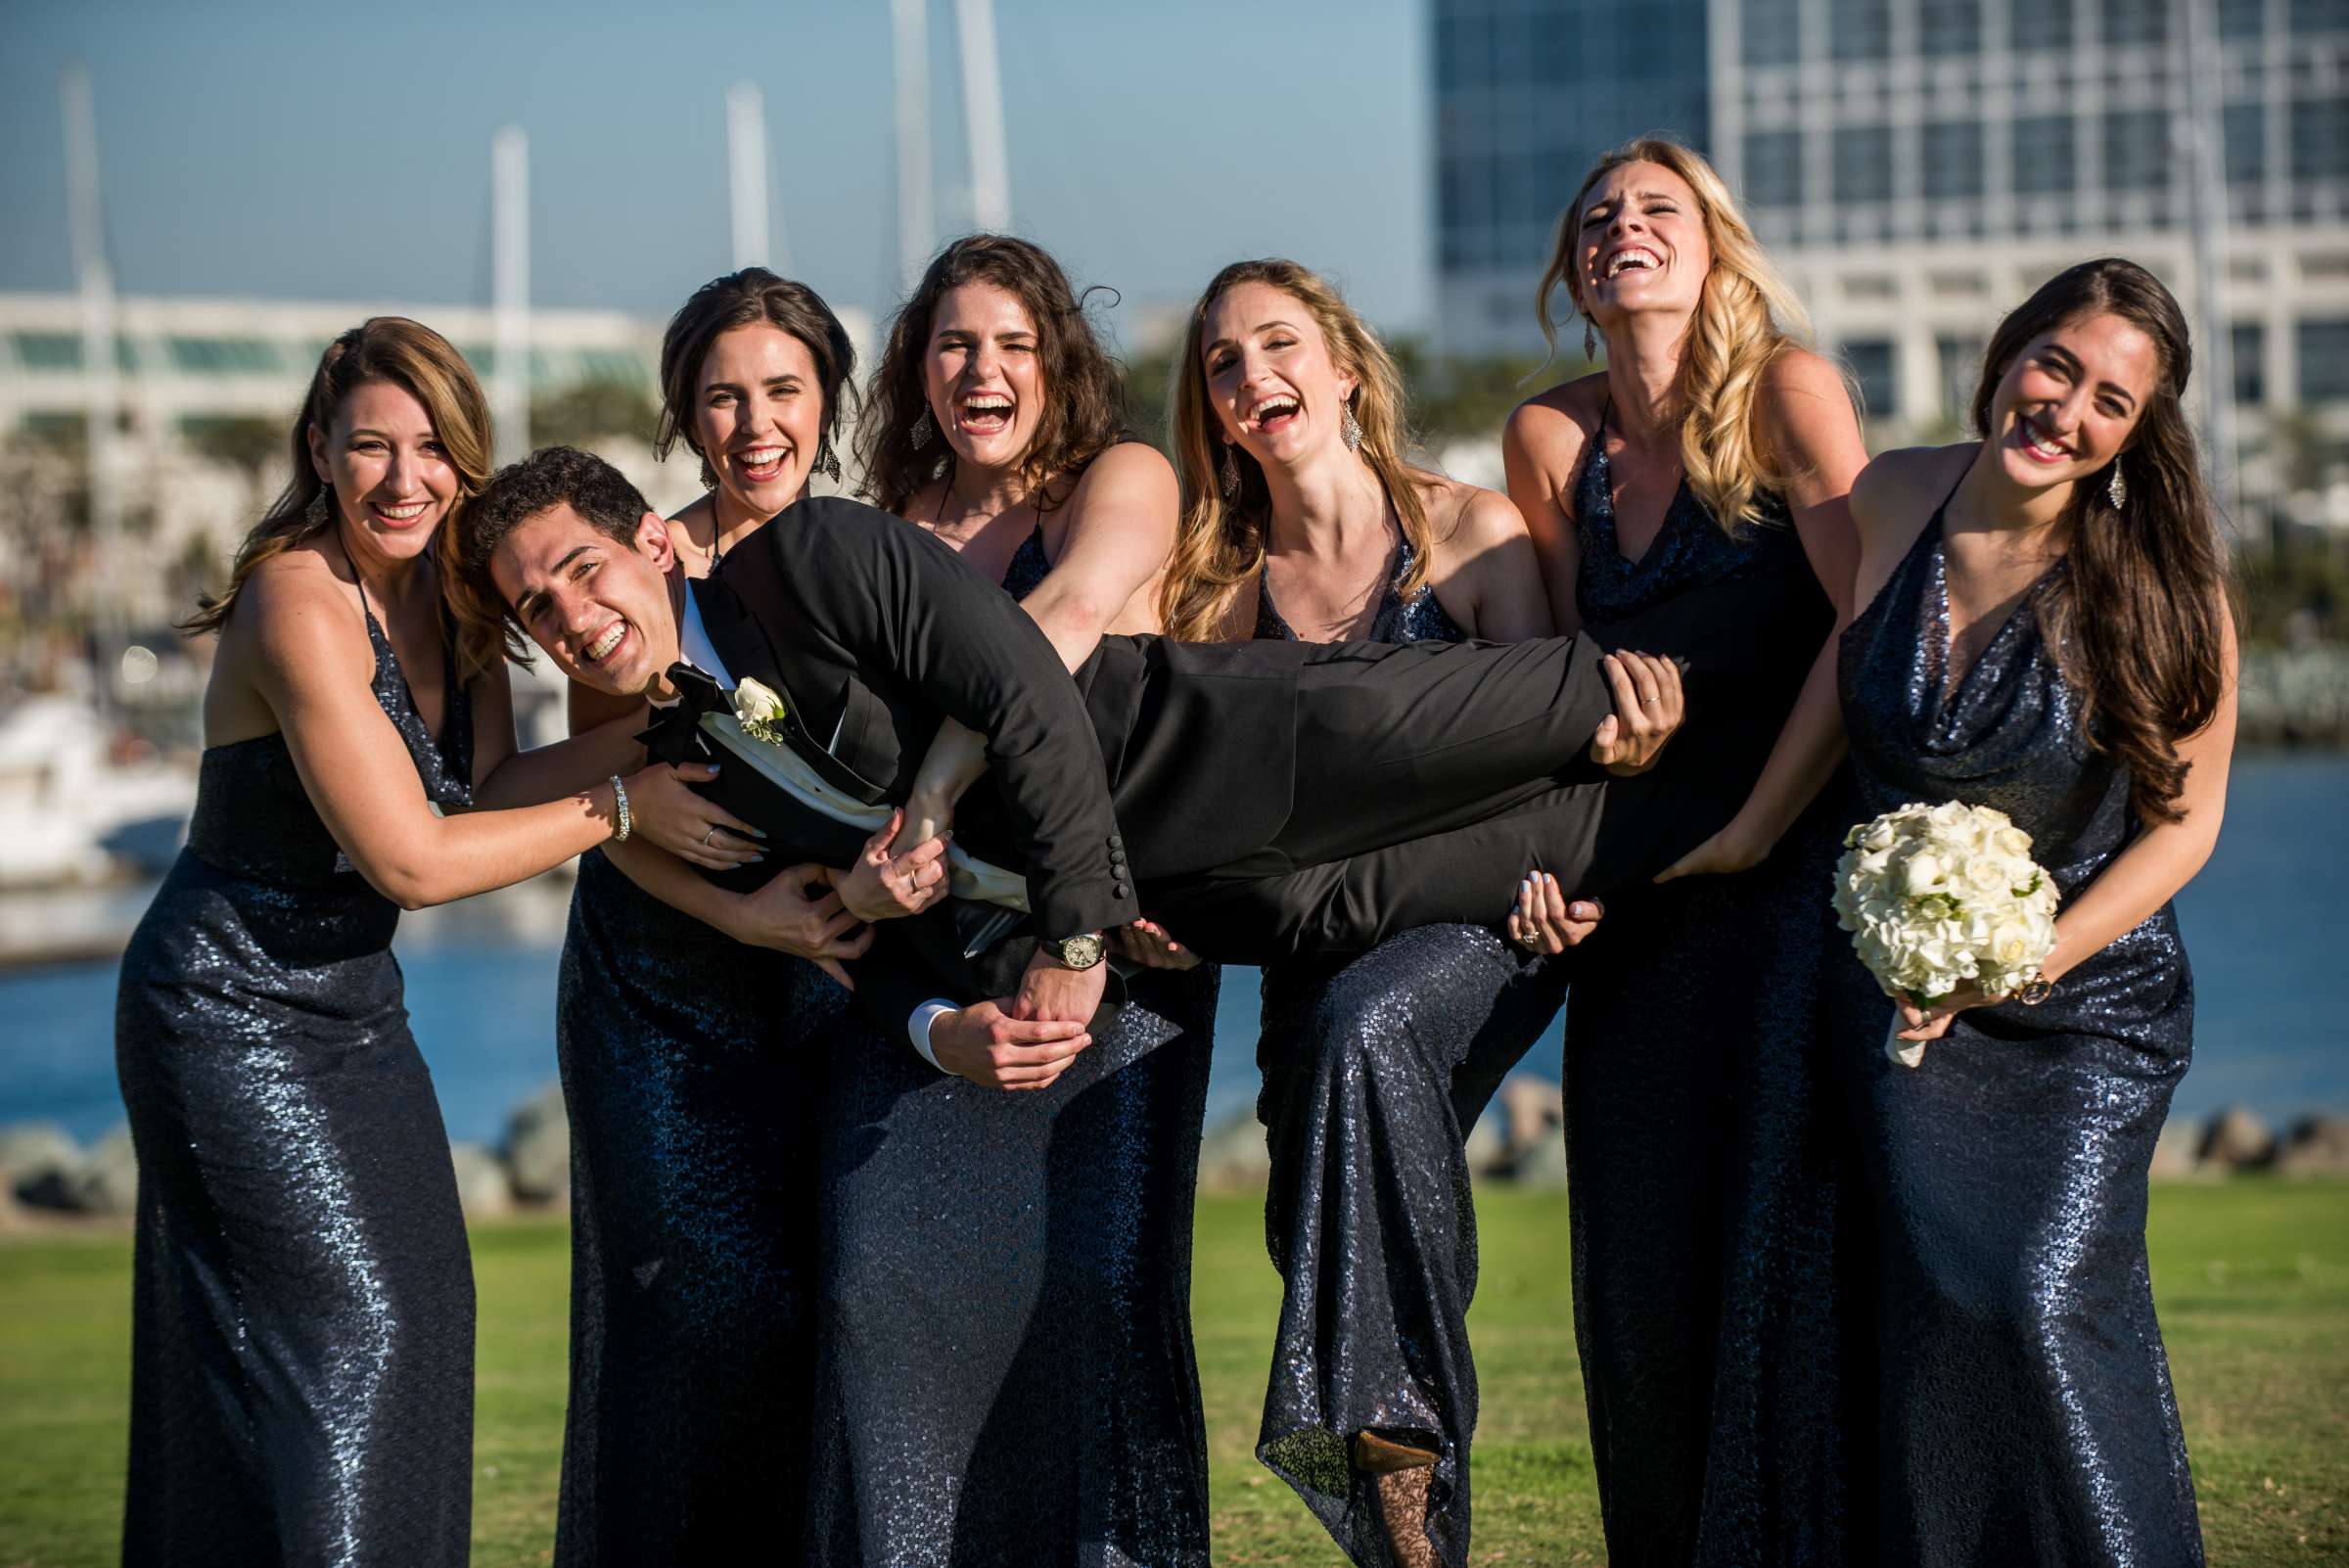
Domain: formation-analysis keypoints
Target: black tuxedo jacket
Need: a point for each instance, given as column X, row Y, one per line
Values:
column 872, row 631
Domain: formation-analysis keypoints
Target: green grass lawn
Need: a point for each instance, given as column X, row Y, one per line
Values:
column 2252, row 1279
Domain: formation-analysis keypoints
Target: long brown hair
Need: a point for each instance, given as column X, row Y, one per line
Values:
column 1746, row 316
column 1084, row 406
column 741, row 299
column 2136, row 614
column 1220, row 545
column 417, row 359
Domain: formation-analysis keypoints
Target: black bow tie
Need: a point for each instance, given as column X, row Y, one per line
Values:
column 674, row 735
column 699, row 690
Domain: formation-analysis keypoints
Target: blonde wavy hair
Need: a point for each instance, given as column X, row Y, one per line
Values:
column 1746, row 316
column 1219, row 544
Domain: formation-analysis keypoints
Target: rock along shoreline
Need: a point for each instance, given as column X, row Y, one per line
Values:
column 49, row 1181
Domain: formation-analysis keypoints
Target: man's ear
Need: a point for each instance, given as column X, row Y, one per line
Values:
column 653, row 539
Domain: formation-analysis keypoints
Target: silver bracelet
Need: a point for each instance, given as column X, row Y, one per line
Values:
column 619, row 812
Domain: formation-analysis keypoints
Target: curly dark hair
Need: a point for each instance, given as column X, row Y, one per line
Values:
column 2136, row 614
column 1085, row 404
column 741, row 299
column 550, row 477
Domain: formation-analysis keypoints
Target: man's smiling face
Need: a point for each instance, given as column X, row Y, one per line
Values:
column 600, row 608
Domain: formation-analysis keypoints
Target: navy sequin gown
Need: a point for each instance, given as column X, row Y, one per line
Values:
column 1007, row 1373
column 302, row 1343
column 693, row 1071
column 1702, row 1150
column 1374, row 1071
column 2025, row 1410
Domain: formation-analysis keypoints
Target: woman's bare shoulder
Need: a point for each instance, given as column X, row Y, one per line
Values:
column 1467, row 517
column 1551, row 429
column 297, row 612
column 1893, row 481
column 1126, row 462
column 1571, row 406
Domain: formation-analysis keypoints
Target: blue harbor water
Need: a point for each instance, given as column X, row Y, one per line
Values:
column 2266, row 928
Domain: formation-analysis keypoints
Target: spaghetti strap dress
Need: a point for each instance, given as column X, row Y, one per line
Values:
column 302, row 1331
column 693, row 1071
column 1706, row 1158
column 1374, row 1069
column 1005, row 1374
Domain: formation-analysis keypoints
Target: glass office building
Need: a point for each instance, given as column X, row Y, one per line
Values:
column 1526, row 92
column 1918, row 165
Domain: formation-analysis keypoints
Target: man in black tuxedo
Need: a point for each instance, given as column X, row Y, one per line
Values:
column 1255, row 797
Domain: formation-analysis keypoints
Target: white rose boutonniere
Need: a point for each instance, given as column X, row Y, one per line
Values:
column 759, row 711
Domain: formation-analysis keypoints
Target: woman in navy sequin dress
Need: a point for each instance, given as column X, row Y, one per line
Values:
column 1703, row 1148
column 1301, row 520
column 695, row 1027
column 1007, row 1373
column 302, row 1386
column 2046, row 632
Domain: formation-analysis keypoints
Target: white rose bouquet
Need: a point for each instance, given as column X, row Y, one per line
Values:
column 1935, row 896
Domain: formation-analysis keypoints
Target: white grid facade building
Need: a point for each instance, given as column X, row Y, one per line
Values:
column 1918, row 165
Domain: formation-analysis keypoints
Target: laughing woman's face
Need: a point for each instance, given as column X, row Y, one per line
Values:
column 759, row 416
column 1640, row 245
column 2071, row 400
column 982, row 375
column 393, row 481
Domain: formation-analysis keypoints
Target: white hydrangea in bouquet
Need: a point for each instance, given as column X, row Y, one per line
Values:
column 1936, row 896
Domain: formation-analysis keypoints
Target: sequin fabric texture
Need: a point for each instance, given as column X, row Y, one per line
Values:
column 1701, row 1143
column 301, row 1358
column 2025, row 1412
column 1374, row 1070
column 694, row 1070
column 1006, row 1372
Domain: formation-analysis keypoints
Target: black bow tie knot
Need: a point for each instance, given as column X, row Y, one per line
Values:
column 674, row 735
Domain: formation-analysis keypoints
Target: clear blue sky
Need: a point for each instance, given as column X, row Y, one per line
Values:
column 325, row 152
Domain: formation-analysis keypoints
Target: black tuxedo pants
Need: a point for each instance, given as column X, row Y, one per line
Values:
column 1396, row 742
column 1428, row 781
column 1465, row 788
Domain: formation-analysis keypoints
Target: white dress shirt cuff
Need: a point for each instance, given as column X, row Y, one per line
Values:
column 917, row 1028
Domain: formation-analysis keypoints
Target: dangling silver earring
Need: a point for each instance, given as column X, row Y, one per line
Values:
column 320, row 511
column 1229, row 482
column 1589, row 341
column 1350, row 428
column 923, row 428
column 827, row 461
column 2117, row 488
